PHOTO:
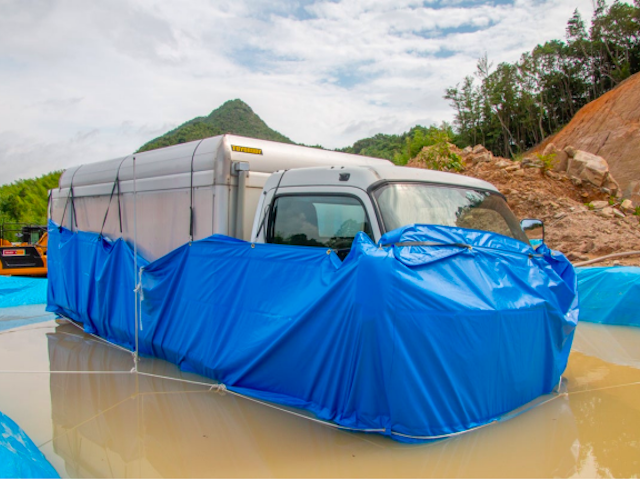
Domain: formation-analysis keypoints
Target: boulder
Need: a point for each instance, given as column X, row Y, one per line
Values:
column 478, row 149
column 588, row 167
column 482, row 157
column 560, row 157
column 599, row 204
column 627, row 206
column 570, row 151
column 606, row 212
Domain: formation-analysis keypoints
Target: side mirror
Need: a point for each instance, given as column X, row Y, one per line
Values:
column 534, row 229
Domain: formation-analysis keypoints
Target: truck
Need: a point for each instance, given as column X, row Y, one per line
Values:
column 267, row 192
column 382, row 299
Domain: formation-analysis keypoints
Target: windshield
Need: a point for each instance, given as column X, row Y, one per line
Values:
column 406, row 203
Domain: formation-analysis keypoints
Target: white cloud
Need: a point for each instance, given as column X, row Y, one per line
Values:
column 85, row 81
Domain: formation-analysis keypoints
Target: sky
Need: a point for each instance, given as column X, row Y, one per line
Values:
column 84, row 81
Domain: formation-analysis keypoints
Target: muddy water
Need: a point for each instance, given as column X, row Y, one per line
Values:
column 126, row 425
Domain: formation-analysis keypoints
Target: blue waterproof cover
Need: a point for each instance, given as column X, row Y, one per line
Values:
column 16, row 291
column 19, row 457
column 414, row 341
column 610, row 295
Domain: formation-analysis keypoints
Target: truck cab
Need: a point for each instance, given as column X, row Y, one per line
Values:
column 327, row 206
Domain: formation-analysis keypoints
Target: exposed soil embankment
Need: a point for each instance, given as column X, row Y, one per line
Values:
column 609, row 127
column 580, row 220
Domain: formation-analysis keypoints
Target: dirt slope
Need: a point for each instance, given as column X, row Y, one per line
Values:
column 580, row 231
column 609, row 127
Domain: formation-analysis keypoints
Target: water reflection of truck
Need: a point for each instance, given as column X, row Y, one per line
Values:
column 268, row 192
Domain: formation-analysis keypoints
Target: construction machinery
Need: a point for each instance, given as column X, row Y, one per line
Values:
column 23, row 249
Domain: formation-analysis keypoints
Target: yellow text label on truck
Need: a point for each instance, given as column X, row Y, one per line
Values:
column 254, row 151
column 14, row 253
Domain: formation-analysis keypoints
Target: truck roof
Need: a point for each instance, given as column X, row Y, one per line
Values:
column 215, row 155
column 364, row 176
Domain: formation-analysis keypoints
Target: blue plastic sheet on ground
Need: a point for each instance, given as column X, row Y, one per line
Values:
column 19, row 457
column 609, row 295
column 415, row 342
column 14, row 317
column 15, row 291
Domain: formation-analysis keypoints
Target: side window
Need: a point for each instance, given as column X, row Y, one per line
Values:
column 330, row 221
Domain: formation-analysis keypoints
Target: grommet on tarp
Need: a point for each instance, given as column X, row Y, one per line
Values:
column 253, row 245
column 329, row 252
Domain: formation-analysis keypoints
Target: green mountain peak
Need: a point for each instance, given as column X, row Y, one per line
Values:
column 233, row 116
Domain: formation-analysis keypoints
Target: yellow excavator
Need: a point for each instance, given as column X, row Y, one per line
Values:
column 28, row 255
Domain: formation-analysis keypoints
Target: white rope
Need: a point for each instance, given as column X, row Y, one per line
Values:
column 73, row 372
column 317, row 420
column 214, row 386
column 221, row 387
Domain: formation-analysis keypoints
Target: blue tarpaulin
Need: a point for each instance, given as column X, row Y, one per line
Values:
column 19, row 457
column 435, row 331
column 16, row 291
column 610, row 295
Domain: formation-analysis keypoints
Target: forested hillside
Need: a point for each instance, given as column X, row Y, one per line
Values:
column 26, row 201
column 233, row 116
column 514, row 106
column 401, row 148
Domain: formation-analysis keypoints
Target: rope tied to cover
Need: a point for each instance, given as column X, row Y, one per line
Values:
column 116, row 183
column 73, row 205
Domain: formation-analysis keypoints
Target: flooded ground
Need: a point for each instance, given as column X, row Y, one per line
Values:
column 120, row 424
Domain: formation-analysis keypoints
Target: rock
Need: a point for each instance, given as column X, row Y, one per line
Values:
column 616, row 263
column 599, row 204
column 560, row 215
column 570, row 151
column 618, row 213
column 606, row 212
column 561, row 162
column 519, row 173
column 503, row 164
column 584, row 195
column 588, row 167
column 531, row 162
column 554, row 205
column 560, row 158
column 482, row 157
column 611, row 184
column 549, row 149
column 466, row 151
column 551, row 174
column 478, row 149
column 627, row 206
column 596, row 169
column 577, row 182
column 512, row 168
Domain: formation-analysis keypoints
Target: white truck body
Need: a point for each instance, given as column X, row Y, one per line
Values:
column 227, row 182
